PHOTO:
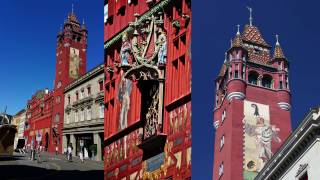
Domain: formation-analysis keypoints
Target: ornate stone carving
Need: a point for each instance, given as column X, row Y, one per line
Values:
column 152, row 125
column 301, row 169
column 147, row 44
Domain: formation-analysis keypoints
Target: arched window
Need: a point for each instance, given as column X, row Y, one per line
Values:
column 253, row 77
column 267, row 81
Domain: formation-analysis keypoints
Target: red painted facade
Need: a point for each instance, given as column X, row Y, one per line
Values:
column 128, row 143
column 249, row 73
column 46, row 108
column 39, row 114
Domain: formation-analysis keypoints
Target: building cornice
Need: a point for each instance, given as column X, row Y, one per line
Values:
column 158, row 7
column 89, row 75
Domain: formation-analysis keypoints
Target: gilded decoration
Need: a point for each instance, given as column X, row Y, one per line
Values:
column 147, row 44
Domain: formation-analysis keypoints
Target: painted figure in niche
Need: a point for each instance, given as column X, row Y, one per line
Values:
column 124, row 98
column 125, row 49
column 162, row 42
column 264, row 134
column 74, row 63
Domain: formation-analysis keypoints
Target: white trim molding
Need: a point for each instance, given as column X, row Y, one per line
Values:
column 284, row 106
column 236, row 95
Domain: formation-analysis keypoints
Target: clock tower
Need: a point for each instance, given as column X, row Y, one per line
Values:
column 70, row 65
column 252, row 108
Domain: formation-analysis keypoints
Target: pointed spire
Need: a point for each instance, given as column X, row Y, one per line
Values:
column 83, row 26
column 250, row 18
column 72, row 16
column 237, row 41
column 278, row 53
column 238, row 32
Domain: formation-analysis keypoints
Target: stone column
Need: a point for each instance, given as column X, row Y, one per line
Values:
column 97, row 141
column 74, row 144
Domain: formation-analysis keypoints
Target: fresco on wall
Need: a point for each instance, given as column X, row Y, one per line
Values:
column 258, row 135
column 124, row 93
column 180, row 118
column 74, row 63
column 123, row 148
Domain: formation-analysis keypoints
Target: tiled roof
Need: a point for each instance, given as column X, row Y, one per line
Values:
column 237, row 41
column 278, row 53
column 253, row 35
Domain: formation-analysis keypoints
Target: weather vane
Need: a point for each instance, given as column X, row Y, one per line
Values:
column 250, row 18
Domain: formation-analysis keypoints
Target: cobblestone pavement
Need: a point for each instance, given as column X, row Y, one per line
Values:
column 51, row 167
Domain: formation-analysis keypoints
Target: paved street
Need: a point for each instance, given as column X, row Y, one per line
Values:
column 51, row 167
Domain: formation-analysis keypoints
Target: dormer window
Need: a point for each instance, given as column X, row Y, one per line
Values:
column 257, row 51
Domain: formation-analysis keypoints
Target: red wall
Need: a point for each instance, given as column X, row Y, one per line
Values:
column 177, row 95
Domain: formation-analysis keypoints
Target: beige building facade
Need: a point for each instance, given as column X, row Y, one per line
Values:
column 84, row 115
column 19, row 121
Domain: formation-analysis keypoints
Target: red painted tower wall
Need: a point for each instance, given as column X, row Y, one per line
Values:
column 250, row 76
column 71, row 60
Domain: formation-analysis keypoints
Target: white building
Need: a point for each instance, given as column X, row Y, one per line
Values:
column 299, row 157
column 19, row 120
column 84, row 114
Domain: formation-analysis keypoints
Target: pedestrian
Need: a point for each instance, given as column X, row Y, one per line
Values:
column 81, row 156
column 39, row 157
column 69, row 153
column 56, row 150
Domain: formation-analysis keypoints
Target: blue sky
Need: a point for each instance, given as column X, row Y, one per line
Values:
column 214, row 23
column 28, row 33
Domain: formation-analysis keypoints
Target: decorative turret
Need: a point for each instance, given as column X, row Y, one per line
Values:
column 237, row 41
column 278, row 53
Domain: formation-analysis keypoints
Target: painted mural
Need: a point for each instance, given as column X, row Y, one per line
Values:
column 124, row 93
column 258, row 135
column 180, row 118
column 74, row 63
column 123, row 148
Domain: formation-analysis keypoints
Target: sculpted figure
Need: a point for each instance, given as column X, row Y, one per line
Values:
column 162, row 40
column 125, row 49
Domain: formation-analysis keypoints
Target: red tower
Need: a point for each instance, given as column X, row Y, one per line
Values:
column 70, row 65
column 147, row 89
column 252, row 108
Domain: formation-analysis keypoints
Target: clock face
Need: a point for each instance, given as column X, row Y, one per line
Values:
column 74, row 63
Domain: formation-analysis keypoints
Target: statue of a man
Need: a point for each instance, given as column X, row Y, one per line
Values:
column 125, row 49
column 162, row 42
